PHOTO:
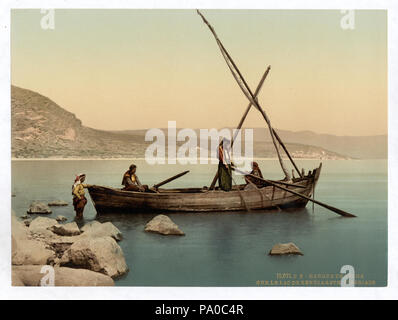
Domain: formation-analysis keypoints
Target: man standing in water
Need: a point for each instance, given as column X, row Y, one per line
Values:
column 79, row 200
column 224, row 166
column 131, row 181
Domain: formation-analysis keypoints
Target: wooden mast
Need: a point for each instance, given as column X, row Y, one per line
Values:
column 245, row 89
column 259, row 86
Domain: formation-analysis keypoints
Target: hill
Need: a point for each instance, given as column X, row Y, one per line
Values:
column 359, row 147
column 43, row 129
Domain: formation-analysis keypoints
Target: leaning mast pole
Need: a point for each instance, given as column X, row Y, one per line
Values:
column 245, row 89
column 238, row 128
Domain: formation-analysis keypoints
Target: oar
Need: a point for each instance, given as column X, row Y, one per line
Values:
column 170, row 179
column 336, row 210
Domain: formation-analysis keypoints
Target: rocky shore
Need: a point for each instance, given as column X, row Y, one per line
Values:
column 86, row 256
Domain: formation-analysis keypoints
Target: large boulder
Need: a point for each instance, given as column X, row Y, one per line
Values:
column 68, row 229
column 164, row 225
column 25, row 250
column 285, row 248
column 42, row 226
column 97, row 229
column 57, row 203
column 39, row 207
column 97, row 254
column 18, row 230
column 31, row 276
column 28, row 251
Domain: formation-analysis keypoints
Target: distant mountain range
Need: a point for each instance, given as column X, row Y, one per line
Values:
column 358, row 147
column 42, row 129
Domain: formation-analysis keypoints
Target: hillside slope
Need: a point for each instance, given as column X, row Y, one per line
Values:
column 43, row 129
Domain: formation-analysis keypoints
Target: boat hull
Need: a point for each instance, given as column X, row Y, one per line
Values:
column 109, row 200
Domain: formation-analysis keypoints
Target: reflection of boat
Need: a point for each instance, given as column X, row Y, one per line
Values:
column 201, row 200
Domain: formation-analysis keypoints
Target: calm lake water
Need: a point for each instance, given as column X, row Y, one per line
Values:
column 230, row 249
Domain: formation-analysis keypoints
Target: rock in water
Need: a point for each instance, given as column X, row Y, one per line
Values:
column 61, row 218
column 57, row 203
column 41, row 225
column 31, row 276
column 97, row 229
column 285, row 248
column 97, row 254
column 68, row 229
column 164, row 225
column 39, row 207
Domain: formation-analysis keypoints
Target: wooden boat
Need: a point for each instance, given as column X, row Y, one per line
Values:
column 287, row 193
column 107, row 200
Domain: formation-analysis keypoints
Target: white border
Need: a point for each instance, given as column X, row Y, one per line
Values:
column 8, row 292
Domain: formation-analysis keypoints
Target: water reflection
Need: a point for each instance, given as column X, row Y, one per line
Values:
column 230, row 249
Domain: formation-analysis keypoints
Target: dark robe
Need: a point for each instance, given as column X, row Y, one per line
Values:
column 256, row 172
column 78, row 205
column 224, row 172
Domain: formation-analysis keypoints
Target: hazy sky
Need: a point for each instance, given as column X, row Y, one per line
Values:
column 134, row 69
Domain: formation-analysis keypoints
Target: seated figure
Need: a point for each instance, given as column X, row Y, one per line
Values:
column 131, row 181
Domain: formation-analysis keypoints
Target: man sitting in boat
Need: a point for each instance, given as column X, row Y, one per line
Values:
column 224, row 166
column 255, row 172
column 131, row 181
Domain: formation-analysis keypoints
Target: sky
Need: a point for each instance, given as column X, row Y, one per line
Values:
column 135, row 69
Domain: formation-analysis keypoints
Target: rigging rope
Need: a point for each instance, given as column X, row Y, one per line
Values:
column 245, row 89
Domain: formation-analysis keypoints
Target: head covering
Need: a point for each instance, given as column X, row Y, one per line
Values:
column 226, row 142
column 77, row 180
column 254, row 164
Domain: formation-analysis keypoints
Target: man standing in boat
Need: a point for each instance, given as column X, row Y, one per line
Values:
column 79, row 199
column 131, row 181
column 224, row 166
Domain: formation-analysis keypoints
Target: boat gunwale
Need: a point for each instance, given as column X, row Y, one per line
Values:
column 164, row 192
